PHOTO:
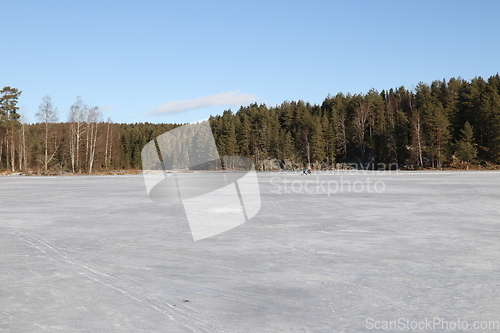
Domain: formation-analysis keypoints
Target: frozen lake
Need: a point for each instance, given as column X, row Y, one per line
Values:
column 324, row 254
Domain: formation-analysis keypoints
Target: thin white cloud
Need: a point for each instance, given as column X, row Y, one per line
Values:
column 106, row 110
column 230, row 98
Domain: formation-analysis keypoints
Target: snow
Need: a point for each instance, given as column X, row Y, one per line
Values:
column 95, row 254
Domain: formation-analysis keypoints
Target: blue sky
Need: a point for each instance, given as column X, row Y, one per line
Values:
column 173, row 61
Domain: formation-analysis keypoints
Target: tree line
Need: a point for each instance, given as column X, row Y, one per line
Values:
column 446, row 123
column 85, row 143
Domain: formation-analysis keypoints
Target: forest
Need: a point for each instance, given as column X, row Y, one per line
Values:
column 451, row 123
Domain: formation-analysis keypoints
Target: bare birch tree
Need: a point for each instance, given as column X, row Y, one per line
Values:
column 94, row 118
column 109, row 144
column 417, row 136
column 48, row 115
column 77, row 120
column 23, row 158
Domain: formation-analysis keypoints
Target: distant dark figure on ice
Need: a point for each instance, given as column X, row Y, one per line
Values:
column 306, row 171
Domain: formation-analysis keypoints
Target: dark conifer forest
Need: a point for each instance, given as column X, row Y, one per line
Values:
column 451, row 123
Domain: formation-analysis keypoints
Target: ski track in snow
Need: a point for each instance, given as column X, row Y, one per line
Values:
column 184, row 315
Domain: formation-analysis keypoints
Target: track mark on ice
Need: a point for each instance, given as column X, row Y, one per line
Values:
column 351, row 231
column 183, row 315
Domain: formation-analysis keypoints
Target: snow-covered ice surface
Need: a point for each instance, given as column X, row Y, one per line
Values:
column 95, row 254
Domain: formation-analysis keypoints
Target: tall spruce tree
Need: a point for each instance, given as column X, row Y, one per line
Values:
column 465, row 150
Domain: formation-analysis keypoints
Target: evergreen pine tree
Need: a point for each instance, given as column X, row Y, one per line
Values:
column 465, row 150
